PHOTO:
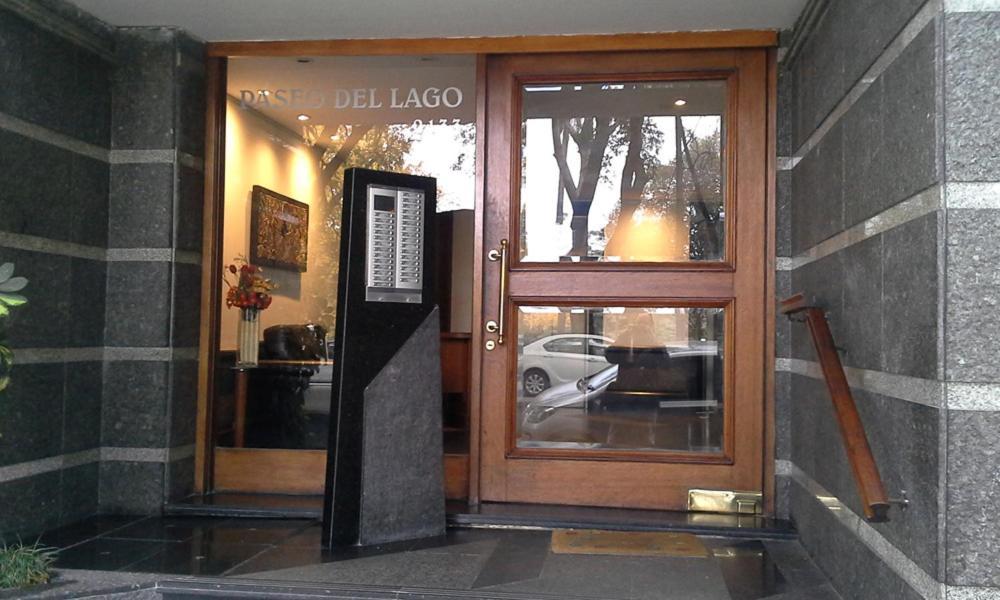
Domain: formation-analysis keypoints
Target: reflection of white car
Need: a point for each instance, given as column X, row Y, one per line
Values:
column 558, row 359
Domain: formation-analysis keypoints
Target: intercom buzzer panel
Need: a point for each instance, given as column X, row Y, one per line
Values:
column 395, row 245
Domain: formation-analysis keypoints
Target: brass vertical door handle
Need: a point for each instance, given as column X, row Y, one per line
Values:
column 500, row 327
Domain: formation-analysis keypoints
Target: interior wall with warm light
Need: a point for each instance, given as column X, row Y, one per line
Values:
column 262, row 152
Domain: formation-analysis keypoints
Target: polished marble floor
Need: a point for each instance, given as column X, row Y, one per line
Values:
column 270, row 552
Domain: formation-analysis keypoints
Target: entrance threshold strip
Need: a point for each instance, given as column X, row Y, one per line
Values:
column 503, row 516
column 543, row 516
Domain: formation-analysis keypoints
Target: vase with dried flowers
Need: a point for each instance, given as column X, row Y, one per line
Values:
column 251, row 293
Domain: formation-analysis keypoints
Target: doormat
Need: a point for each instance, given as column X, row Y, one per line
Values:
column 627, row 543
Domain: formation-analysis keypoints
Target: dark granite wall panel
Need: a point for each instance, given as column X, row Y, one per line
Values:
column 847, row 40
column 142, row 198
column 972, row 77
column 159, row 106
column 138, row 305
column 82, row 406
column 52, row 193
column 143, row 112
column 817, row 189
column 187, row 305
column 59, row 196
column 30, row 505
column 135, row 404
column 852, row 567
column 880, row 292
column 910, row 321
column 31, row 426
column 184, row 401
column 131, row 488
column 56, row 84
column 79, row 492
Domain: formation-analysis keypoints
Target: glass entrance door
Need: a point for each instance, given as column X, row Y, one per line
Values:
column 624, row 295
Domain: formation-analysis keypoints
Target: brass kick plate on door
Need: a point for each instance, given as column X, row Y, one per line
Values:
column 725, row 501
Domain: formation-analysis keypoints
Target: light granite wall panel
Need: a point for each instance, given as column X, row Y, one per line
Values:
column 972, row 336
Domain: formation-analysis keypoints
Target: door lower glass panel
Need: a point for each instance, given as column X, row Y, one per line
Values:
column 639, row 379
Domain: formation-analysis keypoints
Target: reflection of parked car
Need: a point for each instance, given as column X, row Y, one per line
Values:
column 558, row 359
column 698, row 373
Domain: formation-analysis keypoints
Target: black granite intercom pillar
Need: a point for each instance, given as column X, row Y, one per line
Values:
column 384, row 467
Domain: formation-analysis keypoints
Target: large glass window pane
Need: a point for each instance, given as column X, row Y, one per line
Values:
column 624, row 171
column 293, row 125
column 620, row 378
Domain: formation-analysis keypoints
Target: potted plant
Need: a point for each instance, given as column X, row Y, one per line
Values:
column 9, row 298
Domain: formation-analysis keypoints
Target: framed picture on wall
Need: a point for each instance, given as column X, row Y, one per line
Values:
column 279, row 230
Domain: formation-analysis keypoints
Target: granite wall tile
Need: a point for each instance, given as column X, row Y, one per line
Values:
column 782, row 415
column 783, row 213
column 180, row 478
column 131, row 488
column 782, row 324
column 864, row 157
column 852, row 567
column 36, row 185
column 43, row 321
column 859, row 332
column 135, row 404
column 972, row 77
column 973, row 544
column 910, row 136
column 910, row 298
column 817, row 188
column 87, row 303
column 819, row 74
column 79, row 489
column 870, row 25
column 190, row 204
column 787, row 95
column 30, row 506
column 52, row 193
column 88, row 201
column 138, row 304
column 190, row 99
column 67, row 86
column 904, row 440
column 187, row 305
column 143, row 99
column 973, row 295
column 142, row 206
column 821, row 282
column 83, row 395
column 32, row 413
column 184, row 402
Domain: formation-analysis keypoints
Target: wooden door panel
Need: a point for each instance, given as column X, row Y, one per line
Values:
column 641, row 478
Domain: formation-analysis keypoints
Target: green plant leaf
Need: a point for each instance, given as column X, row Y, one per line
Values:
column 12, row 299
column 6, row 270
column 4, row 311
column 14, row 284
column 4, row 382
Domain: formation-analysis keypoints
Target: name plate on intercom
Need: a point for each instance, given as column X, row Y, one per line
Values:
column 395, row 246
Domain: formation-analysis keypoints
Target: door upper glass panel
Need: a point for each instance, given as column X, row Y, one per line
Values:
column 623, row 171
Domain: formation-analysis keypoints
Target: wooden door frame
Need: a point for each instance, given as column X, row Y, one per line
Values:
column 217, row 54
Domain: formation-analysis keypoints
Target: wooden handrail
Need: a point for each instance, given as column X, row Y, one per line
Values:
column 859, row 453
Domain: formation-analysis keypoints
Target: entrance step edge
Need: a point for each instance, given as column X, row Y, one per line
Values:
column 208, row 588
column 537, row 516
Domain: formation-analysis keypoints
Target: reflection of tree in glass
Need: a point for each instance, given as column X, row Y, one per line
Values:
column 591, row 135
column 689, row 189
column 381, row 147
